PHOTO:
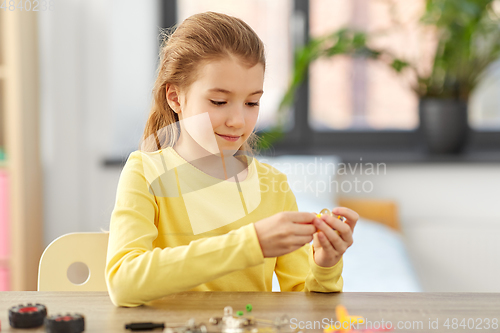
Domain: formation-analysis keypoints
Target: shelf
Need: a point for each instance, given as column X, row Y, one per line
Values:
column 19, row 94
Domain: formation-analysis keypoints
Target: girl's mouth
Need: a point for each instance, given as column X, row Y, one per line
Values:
column 229, row 138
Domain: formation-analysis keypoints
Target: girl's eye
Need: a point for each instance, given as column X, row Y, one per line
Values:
column 253, row 104
column 217, row 102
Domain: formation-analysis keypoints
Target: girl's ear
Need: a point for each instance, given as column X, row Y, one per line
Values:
column 173, row 97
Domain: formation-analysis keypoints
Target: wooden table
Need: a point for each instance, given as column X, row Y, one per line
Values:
column 411, row 309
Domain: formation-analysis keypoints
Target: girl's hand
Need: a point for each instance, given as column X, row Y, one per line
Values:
column 328, row 245
column 285, row 232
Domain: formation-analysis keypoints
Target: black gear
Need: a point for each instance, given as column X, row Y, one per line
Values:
column 27, row 316
column 69, row 323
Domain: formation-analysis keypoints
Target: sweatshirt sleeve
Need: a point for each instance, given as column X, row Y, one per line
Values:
column 137, row 273
column 297, row 271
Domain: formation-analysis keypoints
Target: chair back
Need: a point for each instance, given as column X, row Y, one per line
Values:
column 74, row 262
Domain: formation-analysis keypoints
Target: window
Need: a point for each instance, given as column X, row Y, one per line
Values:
column 356, row 93
column 349, row 104
column 361, row 105
column 343, row 105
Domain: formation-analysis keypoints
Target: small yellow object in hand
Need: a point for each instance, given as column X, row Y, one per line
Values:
column 326, row 211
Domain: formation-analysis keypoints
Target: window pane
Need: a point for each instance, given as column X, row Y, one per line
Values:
column 270, row 20
column 361, row 94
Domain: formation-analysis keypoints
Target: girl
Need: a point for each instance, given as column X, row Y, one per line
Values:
column 194, row 210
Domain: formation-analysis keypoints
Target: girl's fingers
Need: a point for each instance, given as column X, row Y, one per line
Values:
column 316, row 242
column 299, row 217
column 300, row 229
column 302, row 240
column 325, row 243
column 351, row 216
column 343, row 228
column 330, row 250
column 338, row 243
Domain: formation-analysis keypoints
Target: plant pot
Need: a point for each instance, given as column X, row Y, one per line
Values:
column 443, row 125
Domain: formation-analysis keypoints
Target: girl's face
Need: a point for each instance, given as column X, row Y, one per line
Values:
column 229, row 92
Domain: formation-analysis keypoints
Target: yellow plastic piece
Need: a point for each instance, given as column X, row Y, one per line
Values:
column 89, row 248
column 344, row 320
column 326, row 211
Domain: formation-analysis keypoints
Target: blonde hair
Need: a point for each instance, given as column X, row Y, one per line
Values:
column 200, row 38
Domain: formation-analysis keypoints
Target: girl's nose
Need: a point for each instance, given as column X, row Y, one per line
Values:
column 236, row 118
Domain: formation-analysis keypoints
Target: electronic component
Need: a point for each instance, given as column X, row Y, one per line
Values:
column 189, row 327
column 230, row 324
column 144, row 326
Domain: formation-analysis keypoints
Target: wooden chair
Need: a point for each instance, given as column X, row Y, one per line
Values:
column 74, row 262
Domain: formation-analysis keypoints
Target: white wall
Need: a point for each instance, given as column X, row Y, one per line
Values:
column 97, row 72
column 450, row 217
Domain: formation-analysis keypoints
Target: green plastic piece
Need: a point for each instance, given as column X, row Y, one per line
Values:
column 239, row 313
column 249, row 307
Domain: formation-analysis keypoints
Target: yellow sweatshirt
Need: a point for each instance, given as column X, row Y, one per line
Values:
column 175, row 228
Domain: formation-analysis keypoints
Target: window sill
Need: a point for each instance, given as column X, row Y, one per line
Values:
column 403, row 157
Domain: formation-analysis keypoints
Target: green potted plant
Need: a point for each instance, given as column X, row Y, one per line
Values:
column 468, row 33
column 468, row 42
